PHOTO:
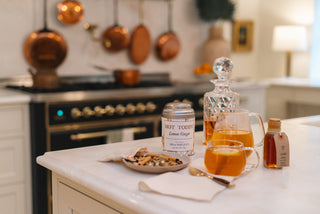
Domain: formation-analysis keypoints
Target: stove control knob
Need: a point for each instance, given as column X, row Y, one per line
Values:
column 151, row 107
column 130, row 108
column 99, row 111
column 87, row 112
column 120, row 109
column 187, row 101
column 109, row 109
column 200, row 102
column 140, row 108
column 75, row 113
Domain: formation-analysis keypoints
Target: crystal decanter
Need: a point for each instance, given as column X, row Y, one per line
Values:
column 222, row 98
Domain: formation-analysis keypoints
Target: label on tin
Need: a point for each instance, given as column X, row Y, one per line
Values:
column 178, row 134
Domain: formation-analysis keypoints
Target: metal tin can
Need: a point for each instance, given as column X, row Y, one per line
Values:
column 178, row 127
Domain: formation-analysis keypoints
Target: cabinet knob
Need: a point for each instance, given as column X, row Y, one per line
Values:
column 109, row 110
column 151, row 107
column 130, row 108
column 120, row 109
column 75, row 113
column 87, row 112
column 140, row 108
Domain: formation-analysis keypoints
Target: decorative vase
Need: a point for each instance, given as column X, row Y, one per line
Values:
column 215, row 46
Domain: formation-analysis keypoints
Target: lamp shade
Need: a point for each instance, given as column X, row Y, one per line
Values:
column 289, row 38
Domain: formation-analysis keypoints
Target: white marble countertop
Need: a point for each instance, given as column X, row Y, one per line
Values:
column 11, row 97
column 294, row 189
column 292, row 82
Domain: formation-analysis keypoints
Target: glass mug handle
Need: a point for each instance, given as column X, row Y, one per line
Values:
column 258, row 116
column 251, row 166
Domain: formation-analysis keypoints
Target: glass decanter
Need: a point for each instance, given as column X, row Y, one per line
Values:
column 221, row 99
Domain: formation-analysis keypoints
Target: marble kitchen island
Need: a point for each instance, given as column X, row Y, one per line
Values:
column 81, row 184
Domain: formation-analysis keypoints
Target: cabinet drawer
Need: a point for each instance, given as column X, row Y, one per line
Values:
column 11, row 120
column 12, row 199
column 11, row 160
column 73, row 201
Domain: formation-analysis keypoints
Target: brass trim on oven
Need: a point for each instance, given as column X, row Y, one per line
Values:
column 81, row 136
column 105, row 123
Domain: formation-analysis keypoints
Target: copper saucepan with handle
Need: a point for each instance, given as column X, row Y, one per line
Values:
column 70, row 12
column 115, row 38
column 45, row 49
column 168, row 44
column 128, row 77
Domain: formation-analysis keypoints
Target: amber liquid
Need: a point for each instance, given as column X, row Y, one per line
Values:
column 208, row 130
column 224, row 161
column 243, row 136
column 269, row 152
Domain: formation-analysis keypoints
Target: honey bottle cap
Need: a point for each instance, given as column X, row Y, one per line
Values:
column 274, row 123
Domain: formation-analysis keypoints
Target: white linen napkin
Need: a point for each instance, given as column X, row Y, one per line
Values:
column 184, row 185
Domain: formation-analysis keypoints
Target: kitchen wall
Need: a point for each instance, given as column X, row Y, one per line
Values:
column 20, row 18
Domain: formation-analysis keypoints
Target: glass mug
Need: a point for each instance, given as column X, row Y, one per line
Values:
column 235, row 125
column 228, row 157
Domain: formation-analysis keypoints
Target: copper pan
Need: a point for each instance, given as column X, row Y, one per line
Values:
column 140, row 45
column 115, row 38
column 70, row 12
column 128, row 77
column 45, row 49
column 168, row 44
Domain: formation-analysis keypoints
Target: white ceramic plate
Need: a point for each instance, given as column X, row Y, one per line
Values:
column 160, row 169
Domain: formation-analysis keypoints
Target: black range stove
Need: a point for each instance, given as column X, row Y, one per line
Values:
column 87, row 111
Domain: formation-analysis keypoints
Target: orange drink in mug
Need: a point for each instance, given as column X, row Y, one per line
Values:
column 227, row 157
column 235, row 125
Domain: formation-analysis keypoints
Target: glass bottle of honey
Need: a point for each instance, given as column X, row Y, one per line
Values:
column 269, row 147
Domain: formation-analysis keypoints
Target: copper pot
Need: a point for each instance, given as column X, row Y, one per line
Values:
column 168, row 44
column 70, row 12
column 140, row 44
column 115, row 38
column 45, row 79
column 45, row 49
column 127, row 77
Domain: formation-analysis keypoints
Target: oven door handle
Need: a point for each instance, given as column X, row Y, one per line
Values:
column 82, row 136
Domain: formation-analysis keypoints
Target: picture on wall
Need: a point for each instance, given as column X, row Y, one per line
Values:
column 242, row 35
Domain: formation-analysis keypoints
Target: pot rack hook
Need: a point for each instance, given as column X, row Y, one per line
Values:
column 92, row 29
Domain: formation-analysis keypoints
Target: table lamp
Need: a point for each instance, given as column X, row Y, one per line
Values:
column 289, row 38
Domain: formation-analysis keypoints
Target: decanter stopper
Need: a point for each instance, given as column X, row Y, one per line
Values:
column 223, row 67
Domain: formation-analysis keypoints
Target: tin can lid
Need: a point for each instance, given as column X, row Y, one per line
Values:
column 177, row 108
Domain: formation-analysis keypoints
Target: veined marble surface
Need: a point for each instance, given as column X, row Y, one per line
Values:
column 294, row 189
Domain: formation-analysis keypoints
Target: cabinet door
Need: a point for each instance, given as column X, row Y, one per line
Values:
column 11, row 120
column 71, row 201
column 12, row 199
column 11, row 160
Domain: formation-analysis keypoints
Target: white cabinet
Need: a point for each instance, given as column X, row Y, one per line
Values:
column 73, row 201
column 15, row 170
column 71, row 198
